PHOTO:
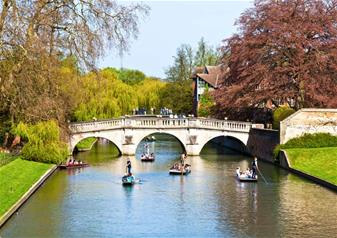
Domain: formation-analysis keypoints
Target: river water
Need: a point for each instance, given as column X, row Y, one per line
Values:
column 209, row 202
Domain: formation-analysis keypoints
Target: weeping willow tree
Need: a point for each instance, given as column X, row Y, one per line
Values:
column 148, row 92
column 42, row 142
column 103, row 95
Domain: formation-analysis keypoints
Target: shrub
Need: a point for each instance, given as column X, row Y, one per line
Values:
column 43, row 144
column 280, row 114
column 206, row 104
column 316, row 140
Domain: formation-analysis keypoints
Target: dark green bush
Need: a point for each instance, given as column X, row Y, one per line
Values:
column 280, row 114
column 316, row 140
column 43, row 143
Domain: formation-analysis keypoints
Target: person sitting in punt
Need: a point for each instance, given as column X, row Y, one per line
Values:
column 248, row 173
column 70, row 162
column 238, row 172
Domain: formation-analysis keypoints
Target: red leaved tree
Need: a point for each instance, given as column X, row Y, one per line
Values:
column 285, row 51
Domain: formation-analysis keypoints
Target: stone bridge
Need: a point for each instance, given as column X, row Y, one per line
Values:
column 127, row 132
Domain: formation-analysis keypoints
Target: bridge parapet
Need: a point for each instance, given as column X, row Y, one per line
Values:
column 96, row 125
column 158, row 122
column 224, row 125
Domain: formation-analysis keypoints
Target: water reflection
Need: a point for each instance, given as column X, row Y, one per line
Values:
column 210, row 202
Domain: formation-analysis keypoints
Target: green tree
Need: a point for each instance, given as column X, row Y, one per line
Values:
column 42, row 142
column 280, row 114
column 206, row 104
column 36, row 35
column 205, row 54
column 148, row 92
column 177, row 96
column 131, row 76
column 183, row 65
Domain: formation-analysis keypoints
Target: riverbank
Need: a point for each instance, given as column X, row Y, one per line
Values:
column 86, row 144
column 17, row 177
column 317, row 162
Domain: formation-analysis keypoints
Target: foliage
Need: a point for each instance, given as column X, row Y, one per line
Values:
column 6, row 158
column 104, row 95
column 285, row 51
column 178, row 96
column 186, row 59
column 130, row 76
column 175, row 96
column 36, row 37
column 86, row 143
column 280, row 114
column 181, row 69
column 316, row 140
column 318, row 162
column 205, row 54
column 206, row 103
column 43, row 144
column 16, row 178
column 148, row 93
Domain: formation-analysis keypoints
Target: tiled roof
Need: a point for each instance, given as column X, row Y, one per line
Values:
column 209, row 78
column 197, row 70
column 214, row 75
column 214, row 69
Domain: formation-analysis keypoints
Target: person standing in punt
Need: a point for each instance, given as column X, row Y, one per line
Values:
column 182, row 159
column 128, row 166
column 254, row 167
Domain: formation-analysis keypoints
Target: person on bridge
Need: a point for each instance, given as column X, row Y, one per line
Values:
column 254, row 167
column 128, row 166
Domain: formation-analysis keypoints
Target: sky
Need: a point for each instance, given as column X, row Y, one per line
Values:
column 172, row 23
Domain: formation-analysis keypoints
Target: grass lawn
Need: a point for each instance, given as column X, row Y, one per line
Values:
column 86, row 144
column 318, row 162
column 16, row 178
column 6, row 158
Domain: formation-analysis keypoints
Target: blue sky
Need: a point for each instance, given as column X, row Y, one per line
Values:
column 172, row 23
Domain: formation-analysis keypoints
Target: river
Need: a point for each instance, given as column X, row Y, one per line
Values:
column 209, row 202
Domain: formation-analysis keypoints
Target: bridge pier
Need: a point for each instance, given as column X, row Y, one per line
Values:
column 193, row 149
column 129, row 149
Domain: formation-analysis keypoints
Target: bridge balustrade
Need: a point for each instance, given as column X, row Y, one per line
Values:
column 224, row 125
column 96, row 125
column 160, row 123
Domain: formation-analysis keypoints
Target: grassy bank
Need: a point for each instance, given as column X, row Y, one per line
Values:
column 86, row 144
column 16, row 178
column 6, row 158
column 318, row 162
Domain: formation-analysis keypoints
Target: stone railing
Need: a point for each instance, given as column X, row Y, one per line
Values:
column 96, row 125
column 159, row 122
column 224, row 125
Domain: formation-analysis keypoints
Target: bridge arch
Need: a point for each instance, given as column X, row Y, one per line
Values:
column 75, row 140
column 239, row 142
column 174, row 135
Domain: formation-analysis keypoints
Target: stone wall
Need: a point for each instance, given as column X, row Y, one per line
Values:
column 310, row 120
column 261, row 143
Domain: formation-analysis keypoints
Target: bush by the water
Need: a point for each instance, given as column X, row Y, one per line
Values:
column 43, row 142
column 280, row 114
column 316, row 140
